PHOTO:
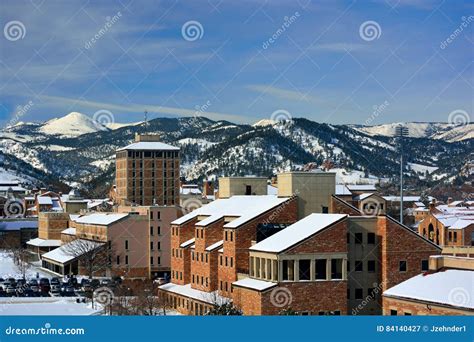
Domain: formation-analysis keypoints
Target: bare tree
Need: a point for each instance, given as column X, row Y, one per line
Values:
column 94, row 256
column 20, row 259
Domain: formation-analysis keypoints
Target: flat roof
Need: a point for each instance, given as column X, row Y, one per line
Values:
column 187, row 291
column 187, row 243
column 149, row 145
column 450, row 287
column 218, row 244
column 297, row 232
column 102, row 219
column 37, row 242
column 254, row 284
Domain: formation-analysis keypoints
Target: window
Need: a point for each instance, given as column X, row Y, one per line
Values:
column 226, row 261
column 158, row 214
column 402, row 266
column 371, row 238
column 159, row 245
column 126, row 244
column 118, row 259
column 151, row 245
column 231, row 262
column 348, row 237
column 193, row 278
column 371, row 292
column 325, row 210
column 220, row 260
column 151, row 230
column 151, row 260
column 151, row 215
column 359, row 294
column 336, row 268
column 305, row 269
column 455, row 236
column 358, row 238
column 126, row 260
column 424, row 265
column 288, row 269
column 159, row 260
column 159, row 230
column 231, row 236
column 407, row 314
column 393, row 313
column 348, row 293
column 321, row 269
column 450, row 236
column 358, row 266
column 225, row 236
column 371, row 266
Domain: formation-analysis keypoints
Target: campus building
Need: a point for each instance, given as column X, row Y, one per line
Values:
column 445, row 289
column 147, row 172
column 268, row 253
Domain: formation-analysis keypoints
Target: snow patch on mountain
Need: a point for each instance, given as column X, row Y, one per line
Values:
column 71, row 125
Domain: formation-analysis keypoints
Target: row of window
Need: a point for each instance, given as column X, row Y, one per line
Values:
column 196, row 255
column 158, row 245
column 224, row 286
column 453, row 236
column 177, row 252
column 158, row 229
column 177, row 275
column 226, row 261
column 359, row 238
column 118, row 260
column 195, row 308
column 151, row 154
column 395, row 313
column 157, row 215
column 359, row 293
column 195, row 280
column 152, row 260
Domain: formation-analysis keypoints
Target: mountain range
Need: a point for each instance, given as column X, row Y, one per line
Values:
column 76, row 151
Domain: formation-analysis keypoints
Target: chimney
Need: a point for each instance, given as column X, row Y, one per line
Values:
column 207, row 188
column 432, row 204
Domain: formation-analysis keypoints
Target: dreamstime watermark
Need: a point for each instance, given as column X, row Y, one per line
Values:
column 371, row 208
column 110, row 21
column 14, row 30
column 14, row 207
column 46, row 330
column 190, row 205
column 465, row 23
column 370, row 30
column 192, row 30
column 103, row 295
column 459, row 117
column 102, row 118
column 377, row 110
column 20, row 112
column 287, row 22
column 280, row 209
column 281, row 297
column 459, row 296
column 281, row 116
column 369, row 298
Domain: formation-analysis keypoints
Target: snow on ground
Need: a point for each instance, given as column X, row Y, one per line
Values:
column 46, row 306
column 8, row 268
column 420, row 168
column 353, row 177
column 10, row 176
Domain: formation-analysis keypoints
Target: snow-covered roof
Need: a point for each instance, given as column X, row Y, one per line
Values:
column 187, row 243
column 244, row 208
column 297, row 232
column 419, row 204
column 39, row 306
column 361, row 187
column 449, row 287
column 215, row 245
column 363, row 196
column 272, row 190
column 189, row 189
column 12, row 188
column 405, row 198
column 69, row 231
column 18, row 224
column 341, row 190
column 187, row 291
column 149, row 145
column 45, row 200
column 69, row 252
column 37, row 242
column 103, row 219
column 255, row 284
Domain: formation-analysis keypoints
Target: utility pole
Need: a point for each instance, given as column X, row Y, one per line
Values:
column 146, row 121
column 401, row 132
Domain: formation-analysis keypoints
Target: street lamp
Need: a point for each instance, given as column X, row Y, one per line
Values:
column 401, row 132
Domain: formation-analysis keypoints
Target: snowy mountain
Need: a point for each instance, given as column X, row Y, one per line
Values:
column 431, row 130
column 51, row 152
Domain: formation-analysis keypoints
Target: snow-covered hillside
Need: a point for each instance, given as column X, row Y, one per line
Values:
column 432, row 130
column 71, row 125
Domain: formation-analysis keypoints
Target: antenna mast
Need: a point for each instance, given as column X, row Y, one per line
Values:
column 146, row 121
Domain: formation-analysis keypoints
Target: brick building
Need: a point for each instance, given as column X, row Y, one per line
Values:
column 147, row 172
column 225, row 251
column 446, row 289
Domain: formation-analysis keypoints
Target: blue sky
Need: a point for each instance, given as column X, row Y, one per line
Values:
column 320, row 64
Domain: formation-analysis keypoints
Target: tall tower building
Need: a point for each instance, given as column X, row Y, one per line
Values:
column 147, row 172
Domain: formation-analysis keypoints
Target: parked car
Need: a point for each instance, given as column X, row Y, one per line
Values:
column 33, row 282
column 35, row 289
column 87, row 288
column 28, row 292
column 44, row 281
column 10, row 291
column 160, row 281
column 20, row 282
column 95, row 283
column 105, row 282
column 85, row 281
column 55, row 281
column 68, row 291
column 55, row 290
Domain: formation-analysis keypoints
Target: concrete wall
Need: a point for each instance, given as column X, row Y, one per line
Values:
column 313, row 189
column 231, row 186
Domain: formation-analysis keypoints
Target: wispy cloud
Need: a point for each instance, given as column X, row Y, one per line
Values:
column 341, row 47
column 286, row 94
